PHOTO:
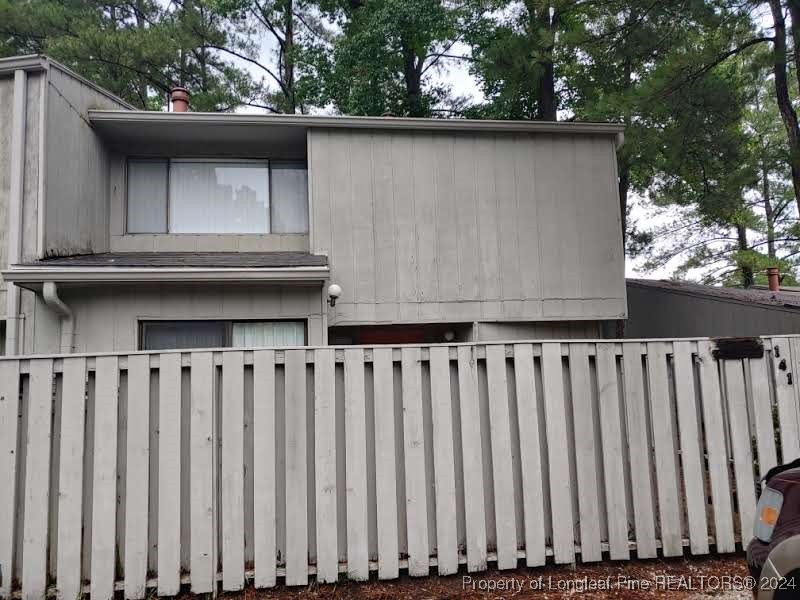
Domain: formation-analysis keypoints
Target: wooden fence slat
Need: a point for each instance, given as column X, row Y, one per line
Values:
column 70, row 479
column 613, row 466
column 137, row 476
column 385, row 465
column 557, row 454
column 639, row 451
column 762, row 415
column 356, row 470
column 9, row 434
column 472, row 459
column 169, row 470
column 264, row 451
column 666, row 473
column 794, row 345
column 202, row 556
column 325, row 465
column 232, row 476
column 37, row 482
column 691, row 463
column 530, row 452
column 502, row 474
column 414, row 443
column 104, row 484
column 715, row 448
column 741, row 443
column 785, row 395
column 585, row 452
column 296, row 475
column 443, row 461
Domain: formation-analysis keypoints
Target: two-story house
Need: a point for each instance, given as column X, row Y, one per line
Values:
column 125, row 229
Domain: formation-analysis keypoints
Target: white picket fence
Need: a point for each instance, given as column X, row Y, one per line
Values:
column 153, row 470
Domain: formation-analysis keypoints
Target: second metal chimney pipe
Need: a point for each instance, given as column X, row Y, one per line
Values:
column 773, row 277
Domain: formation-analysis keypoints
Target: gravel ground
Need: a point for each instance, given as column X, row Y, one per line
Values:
column 718, row 577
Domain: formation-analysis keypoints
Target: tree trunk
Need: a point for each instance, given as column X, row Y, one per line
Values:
column 788, row 114
column 768, row 210
column 412, row 74
column 288, row 57
column 546, row 104
column 748, row 278
column 794, row 13
column 624, row 185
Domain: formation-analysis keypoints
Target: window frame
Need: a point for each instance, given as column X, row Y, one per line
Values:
column 227, row 325
column 301, row 164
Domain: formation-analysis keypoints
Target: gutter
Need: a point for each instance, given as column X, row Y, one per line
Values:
column 50, row 296
column 15, row 200
column 141, row 117
column 30, row 275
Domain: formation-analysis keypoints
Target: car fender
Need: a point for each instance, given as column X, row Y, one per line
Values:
column 784, row 558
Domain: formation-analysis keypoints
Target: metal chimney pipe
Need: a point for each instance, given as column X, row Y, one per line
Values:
column 180, row 99
column 773, row 277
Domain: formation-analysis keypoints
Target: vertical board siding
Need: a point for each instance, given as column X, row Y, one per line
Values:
column 786, row 396
column 560, row 418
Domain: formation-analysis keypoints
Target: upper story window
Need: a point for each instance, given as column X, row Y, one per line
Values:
column 216, row 196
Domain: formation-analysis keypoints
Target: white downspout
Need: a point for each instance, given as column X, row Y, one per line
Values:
column 15, row 201
column 50, row 296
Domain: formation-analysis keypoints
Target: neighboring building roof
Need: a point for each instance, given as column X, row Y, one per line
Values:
column 186, row 259
column 764, row 297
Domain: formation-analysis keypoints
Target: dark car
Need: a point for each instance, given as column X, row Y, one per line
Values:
column 773, row 555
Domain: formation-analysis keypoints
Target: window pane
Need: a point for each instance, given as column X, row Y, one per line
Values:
column 275, row 333
column 170, row 335
column 218, row 197
column 289, row 198
column 147, row 196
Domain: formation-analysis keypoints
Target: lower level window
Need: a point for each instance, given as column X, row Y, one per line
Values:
column 173, row 335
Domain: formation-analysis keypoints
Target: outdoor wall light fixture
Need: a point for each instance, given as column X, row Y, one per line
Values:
column 334, row 291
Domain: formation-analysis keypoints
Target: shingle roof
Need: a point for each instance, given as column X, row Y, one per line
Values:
column 764, row 297
column 186, row 259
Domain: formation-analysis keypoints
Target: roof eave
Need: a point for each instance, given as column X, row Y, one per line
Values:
column 33, row 277
column 342, row 122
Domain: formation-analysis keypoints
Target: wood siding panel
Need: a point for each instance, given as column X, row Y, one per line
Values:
column 476, row 226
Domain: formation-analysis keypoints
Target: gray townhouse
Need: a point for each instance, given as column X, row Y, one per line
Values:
column 127, row 230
